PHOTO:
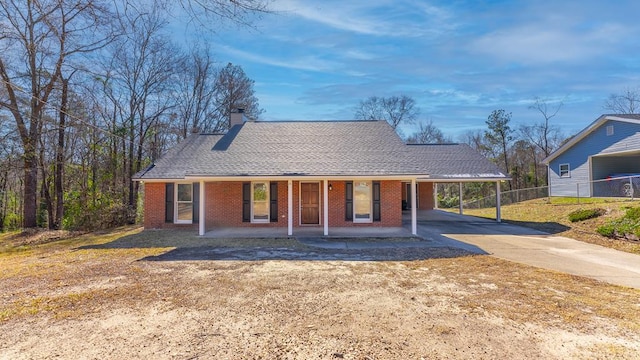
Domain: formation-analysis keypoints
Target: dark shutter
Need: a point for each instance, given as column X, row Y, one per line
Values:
column 376, row 201
column 196, row 202
column 168, row 203
column 246, row 202
column 273, row 197
column 348, row 201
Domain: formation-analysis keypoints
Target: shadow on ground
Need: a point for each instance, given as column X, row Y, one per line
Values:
column 183, row 245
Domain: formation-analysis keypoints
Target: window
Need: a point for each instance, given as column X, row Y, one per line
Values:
column 260, row 202
column 184, row 204
column 362, row 201
column 609, row 130
column 564, row 170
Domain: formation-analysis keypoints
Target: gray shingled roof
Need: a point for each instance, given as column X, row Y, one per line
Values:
column 318, row 148
column 454, row 161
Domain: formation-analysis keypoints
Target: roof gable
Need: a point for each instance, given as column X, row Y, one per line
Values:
column 627, row 118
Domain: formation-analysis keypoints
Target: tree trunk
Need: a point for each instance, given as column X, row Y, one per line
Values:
column 59, row 171
column 29, row 210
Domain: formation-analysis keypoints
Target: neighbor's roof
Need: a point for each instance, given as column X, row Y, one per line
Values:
column 630, row 118
column 312, row 148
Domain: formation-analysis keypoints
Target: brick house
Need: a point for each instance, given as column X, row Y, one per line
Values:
column 301, row 174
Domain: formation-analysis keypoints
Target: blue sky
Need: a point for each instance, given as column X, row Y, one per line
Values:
column 315, row 60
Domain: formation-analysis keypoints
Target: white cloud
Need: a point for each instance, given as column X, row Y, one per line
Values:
column 375, row 17
column 308, row 63
column 544, row 43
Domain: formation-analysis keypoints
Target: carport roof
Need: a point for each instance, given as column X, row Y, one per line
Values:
column 315, row 148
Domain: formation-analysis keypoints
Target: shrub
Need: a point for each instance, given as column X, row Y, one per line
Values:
column 627, row 226
column 584, row 214
column 607, row 230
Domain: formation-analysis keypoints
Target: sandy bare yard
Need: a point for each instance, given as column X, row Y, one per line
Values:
column 117, row 296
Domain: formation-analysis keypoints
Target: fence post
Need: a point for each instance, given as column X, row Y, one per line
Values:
column 578, row 193
column 631, row 186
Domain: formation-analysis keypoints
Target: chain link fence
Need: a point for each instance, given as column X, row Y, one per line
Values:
column 614, row 187
column 508, row 197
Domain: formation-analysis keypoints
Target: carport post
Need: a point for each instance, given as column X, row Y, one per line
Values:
column 326, row 207
column 498, row 216
column 460, row 198
column 289, row 208
column 414, row 211
column 435, row 195
column 201, row 217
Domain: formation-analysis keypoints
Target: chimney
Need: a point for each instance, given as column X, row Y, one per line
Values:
column 237, row 117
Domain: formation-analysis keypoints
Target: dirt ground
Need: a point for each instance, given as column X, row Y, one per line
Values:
column 118, row 295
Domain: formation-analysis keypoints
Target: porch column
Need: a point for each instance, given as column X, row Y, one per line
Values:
column 414, row 211
column 289, row 207
column 201, row 216
column 325, row 206
column 435, row 195
column 498, row 217
column 460, row 198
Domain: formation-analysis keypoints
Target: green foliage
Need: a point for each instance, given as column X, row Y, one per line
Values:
column 627, row 226
column 584, row 214
column 102, row 212
column 446, row 202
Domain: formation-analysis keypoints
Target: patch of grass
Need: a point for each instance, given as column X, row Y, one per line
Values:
column 585, row 214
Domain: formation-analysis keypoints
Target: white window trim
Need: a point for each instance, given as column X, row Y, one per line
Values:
column 610, row 130
column 370, row 219
column 268, row 219
column 175, row 204
column 568, row 175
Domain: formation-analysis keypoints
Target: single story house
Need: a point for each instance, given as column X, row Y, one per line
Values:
column 301, row 174
column 609, row 146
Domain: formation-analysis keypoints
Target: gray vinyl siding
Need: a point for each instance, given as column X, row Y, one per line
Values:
column 626, row 137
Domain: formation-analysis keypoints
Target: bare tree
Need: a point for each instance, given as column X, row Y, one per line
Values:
column 628, row 102
column 195, row 95
column 237, row 11
column 395, row 110
column 428, row 133
column 38, row 39
column 543, row 134
column 139, row 84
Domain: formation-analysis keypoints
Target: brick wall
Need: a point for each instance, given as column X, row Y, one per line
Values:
column 154, row 202
column 425, row 195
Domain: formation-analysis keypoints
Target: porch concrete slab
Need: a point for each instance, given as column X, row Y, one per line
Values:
column 310, row 232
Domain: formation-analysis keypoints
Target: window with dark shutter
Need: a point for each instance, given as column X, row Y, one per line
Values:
column 196, row 202
column 273, row 203
column 376, row 201
column 348, row 203
column 246, row 202
column 168, row 203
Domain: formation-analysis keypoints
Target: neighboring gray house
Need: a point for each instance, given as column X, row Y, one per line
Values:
column 608, row 146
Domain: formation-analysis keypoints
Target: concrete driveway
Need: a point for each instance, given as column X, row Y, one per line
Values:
column 531, row 247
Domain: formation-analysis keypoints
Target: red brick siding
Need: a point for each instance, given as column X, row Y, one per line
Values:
column 154, row 202
column 425, row 196
column 224, row 205
column 390, row 205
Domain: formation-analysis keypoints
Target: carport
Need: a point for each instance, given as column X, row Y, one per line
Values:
column 606, row 165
